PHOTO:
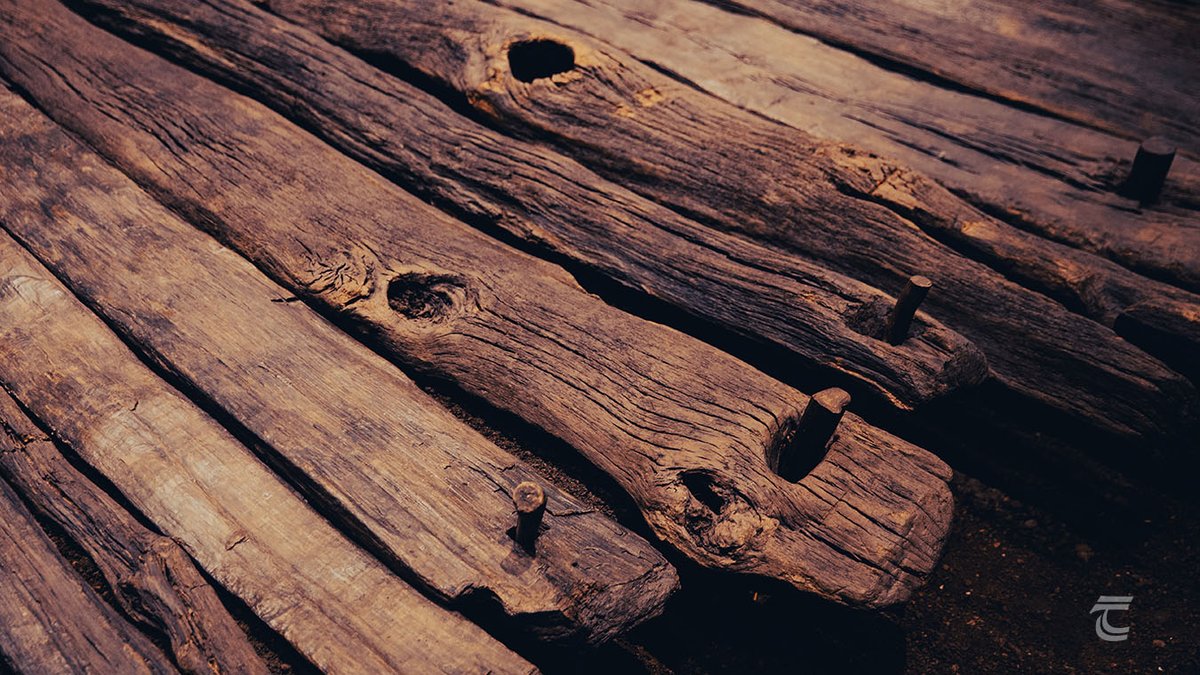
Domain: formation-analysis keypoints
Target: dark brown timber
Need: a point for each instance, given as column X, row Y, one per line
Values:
column 834, row 205
column 688, row 443
column 429, row 494
column 153, row 579
column 341, row 608
column 50, row 620
column 550, row 201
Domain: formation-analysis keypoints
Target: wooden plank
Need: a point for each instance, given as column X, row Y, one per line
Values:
column 1042, row 174
column 340, row 607
column 151, row 577
column 1124, row 65
column 50, row 620
column 834, row 205
column 688, row 443
column 430, row 495
column 553, row 202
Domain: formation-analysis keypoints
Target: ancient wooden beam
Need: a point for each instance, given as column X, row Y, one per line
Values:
column 429, row 493
column 834, row 205
column 151, row 577
column 340, row 607
column 552, row 201
column 51, row 621
column 1042, row 174
column 687, row 443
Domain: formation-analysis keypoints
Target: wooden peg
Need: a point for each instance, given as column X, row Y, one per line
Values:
column 813, row 433
column 1149, row 170
column 906, row 306
column 530, row 501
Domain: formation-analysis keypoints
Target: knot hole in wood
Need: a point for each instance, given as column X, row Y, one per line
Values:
column 428, row 297
column 530, row 60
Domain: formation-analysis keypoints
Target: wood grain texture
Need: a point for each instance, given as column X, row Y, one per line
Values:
column 429, row 494
column 340, row 607
column 835, row 205
column 551, row 201
column 152, row 578
column 1125, row 65
column 51, row 621
column 688, row 443
column 1053, row 178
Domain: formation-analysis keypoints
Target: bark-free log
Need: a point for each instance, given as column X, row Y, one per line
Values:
column 50, row 620
column 429, row 494
column 340, row 607
column 1054, row 178
column 151, row 576
column 548, row 200
column 736, row 171
column 681, row 426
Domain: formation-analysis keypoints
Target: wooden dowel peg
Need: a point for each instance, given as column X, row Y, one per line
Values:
column 814, row 431
column 530, row 500
column 906, row 307
column 1149, row 170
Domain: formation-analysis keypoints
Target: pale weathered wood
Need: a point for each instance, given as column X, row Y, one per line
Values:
column 340, row 607
column 429, row 493
column 1125, row 65
column 835, row 205
column 684, row 428
column 550, row 201
column 1042, row 174
column 151, row 577
column 50, row 620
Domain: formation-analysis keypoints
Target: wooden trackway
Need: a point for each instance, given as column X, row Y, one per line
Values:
column 232, row 230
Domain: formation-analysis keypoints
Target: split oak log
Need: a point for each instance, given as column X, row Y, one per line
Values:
column 688, row 444
column 1042, row 174
column 428, row 494
column 51, row 621
column 547, row 200
column 1128, row 66
column 736, row 171
column 338, row 606
column 154, row 581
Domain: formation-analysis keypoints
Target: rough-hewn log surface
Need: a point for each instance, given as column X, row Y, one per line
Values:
column 152, row 578
column 681, row 426
column 429, row 493
column 50, row 620
column 1046, row 175
column 340, row 607
column 1133, row 72
column 550, row 201
column 837, row 206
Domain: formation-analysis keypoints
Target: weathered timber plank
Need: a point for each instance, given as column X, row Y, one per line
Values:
column 1046, row 175
column 548, row 200
column 151, row 576
column 50, row 620
column 682, row 427
column 430, row 493
column 1125, row 65
column 835, row 205
column 340, row 608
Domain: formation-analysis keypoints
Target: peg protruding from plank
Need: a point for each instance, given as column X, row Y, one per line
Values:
column 530, row 500
column 814, row 431
column 906, row 307
column 1149, row 170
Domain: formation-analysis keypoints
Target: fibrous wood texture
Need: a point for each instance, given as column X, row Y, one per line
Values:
column 550, row 201
column 835, row 205
column 341, row 608
column 427, row 492
column 50, row 620
column 150, row 575
column 682, row 427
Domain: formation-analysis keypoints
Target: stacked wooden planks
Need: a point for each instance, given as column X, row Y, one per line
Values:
column 201, row 293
